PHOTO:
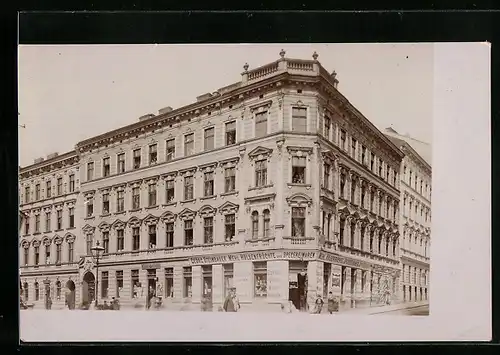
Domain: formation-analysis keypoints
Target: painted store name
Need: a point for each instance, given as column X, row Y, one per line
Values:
column 260, row 256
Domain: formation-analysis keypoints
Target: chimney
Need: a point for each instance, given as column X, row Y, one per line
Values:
column 38, row 160
column 165, row 110
column 52, row 156
column 145, row 117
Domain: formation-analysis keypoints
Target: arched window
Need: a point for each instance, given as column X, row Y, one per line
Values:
column 267, row 223
column 342, row 185
column 255, row 225
column 380, row 244
column 394, row 247
column 26, row 292
column 341, row 231
column 37, row 291
column 58, row 290
column 353, row 231
column 372, row 235
column 353, row 191
column 387, row 247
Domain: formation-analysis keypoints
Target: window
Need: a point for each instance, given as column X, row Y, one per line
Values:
column 105, row 242
column 153, row 154
column 169, row 282
column 380, row 206
column 387, row 209
column 342, row 185
column 26, row 291
column 47, row 221
column 342, row 139
column 416, row 180
column 326, row 176
column 409, row 181
column 298, row 170
column 120, row 240
column 387, row 174
column 152, row 195
column 255, row 225
column 372, row 162
column 188, row 188
column 230, row 179
column 261, row 173
column 169, row 231
column 26, row 255
column 363, row 195
column 394, row 178
column 230, row 227
column 299, row 119
column 27, row 194
column 371, row 241
column 230, row 132
column 59, row 219
column 228, row 278
column 90, row 171
column 209, row 138
column 353, row 191
column 354, row 144
column 363, row 155
column 137, row 158
column 187, row 282
column 71, row 183
column 48, row 189
column 298, row 222
column 104, row 284
column 37, row 292
column 387, row 247
column 136, row 238
column 326, row 131
column 188, row 144
column 208, row 230
column 89, row 244
column 120, row 201
column 106, row 168
column 421, row 187
column 170, row 150
column 136, row 198
column 372, row 200
column 37, row 192
column 260, row 279
column 152, row 236
column 58, row 253
column 135, row 283
column 105, row 204
column 169, row 190
column 208, row 184
column 353, row 233
column 119, row 282
column 261, row 124
column 188, row 232
column 37, row 255
column 379, row 249
column 121, row 163
column 380, row 167
column 47, row 254
column 71, row 251
column 71, row 212
column 27, row 226
column 267, row 224
column 90, row 206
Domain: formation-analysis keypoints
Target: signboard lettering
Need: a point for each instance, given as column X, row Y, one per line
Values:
column 151, row 266
column 255, row 256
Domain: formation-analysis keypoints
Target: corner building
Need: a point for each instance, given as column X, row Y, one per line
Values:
column 275, row 185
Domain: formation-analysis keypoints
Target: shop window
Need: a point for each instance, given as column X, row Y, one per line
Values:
column 119, row 283
column 187, row 282
column 298, row 170
column 104, row 284
column 228, row 278
column 260, row 279
column 136, row 293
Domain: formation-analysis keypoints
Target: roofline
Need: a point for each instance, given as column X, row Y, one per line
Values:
column 413, row 152
column 48, row 161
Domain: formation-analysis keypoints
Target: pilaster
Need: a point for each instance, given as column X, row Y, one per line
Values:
column 277, row 281
column 178, row 296
column 197, row 284
column 243, row 274
column 217, row 285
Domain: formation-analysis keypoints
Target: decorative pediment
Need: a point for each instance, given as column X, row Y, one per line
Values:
column 228, row 163
column 35, row 243
column 46, row 241
column 260, row 153
column 104, row 227
column 57, row 240
column 119, row 187
column 261, row 106
column 59, row 207
column 229, row 208
column 118, row 224
column 88, row 229
column 207, row 211
column 208, row 167
column 299, row 151
column 299, row 200
column 88, row 194
column 134, row 222
column 168, row 217
column 70, row 237
column 187, row 172
column 169, row 176
column 25, row 244
column 135, row 183
column 152, row 179
column 187, row 214
column 150, row 220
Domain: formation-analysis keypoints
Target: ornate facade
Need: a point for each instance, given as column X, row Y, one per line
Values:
column 275, row 185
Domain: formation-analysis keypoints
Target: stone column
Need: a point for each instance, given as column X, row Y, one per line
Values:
column 197, row 284
column 243, row 281
column 261, row 225
column 358, row 286
column 368, row 281
column 346, row 296
column 178, row 284
column 217, row 285
column 277, row 281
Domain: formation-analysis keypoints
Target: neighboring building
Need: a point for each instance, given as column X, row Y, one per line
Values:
column 416, row 182
column 275, row 185
column 48, row 231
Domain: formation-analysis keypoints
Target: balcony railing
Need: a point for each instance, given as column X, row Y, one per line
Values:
column 299, row 241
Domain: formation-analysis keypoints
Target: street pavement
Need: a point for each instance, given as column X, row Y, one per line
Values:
column 412, row 311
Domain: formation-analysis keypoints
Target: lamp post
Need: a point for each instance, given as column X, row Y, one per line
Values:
column 97, row 252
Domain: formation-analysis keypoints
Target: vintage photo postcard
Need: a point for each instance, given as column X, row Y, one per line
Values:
column 284, row 192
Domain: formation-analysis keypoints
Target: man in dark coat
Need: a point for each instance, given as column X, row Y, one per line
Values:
column 230, row 304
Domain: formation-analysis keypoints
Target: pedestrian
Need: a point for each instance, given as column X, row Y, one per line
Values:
column 319, row 305
column 151, row 295
column 333, row 304
column 229, row 303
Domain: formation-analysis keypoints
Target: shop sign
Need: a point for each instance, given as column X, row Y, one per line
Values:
column 336, row 259
column 151, row 266
column 255, row 256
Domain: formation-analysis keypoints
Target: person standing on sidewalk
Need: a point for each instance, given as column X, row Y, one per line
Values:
column 319, row 305
column 333, row 305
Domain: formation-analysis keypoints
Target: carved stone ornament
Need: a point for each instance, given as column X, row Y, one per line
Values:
column 134, row 222
column 187, row 214
column 207, row 211
column 70, row 238
column 88, row 229
column 299, row 200
column 151, row 220
column 168, row 217
column 104, row 227
column 228, row 208
column 118, row 224
column 88, row 265
column 260, row 153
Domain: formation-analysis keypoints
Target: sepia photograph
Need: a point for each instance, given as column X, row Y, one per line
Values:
column 292, row 181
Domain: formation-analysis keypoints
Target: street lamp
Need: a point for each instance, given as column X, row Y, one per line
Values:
column 97, row 252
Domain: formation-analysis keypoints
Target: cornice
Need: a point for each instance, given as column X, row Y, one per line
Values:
column 62, row 161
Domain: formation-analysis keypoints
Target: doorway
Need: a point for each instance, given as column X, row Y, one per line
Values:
column 88, row 288
column 70, row 294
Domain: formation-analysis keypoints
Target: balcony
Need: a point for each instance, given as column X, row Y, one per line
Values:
column 257, row 243
column 285, row 65
column 299, row 242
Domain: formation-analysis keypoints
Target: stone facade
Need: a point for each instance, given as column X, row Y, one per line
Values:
column 302, row 200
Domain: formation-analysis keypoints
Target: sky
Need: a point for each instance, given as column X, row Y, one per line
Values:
column 70, row 93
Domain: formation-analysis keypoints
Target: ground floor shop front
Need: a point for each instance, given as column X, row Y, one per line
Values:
column 262, row 280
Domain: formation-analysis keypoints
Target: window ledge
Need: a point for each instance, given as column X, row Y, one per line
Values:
column 105, row 215
column 252, row 188
column 293, row 184
column 171, row 203
column 229, row 193
column 211, row 197
column 188, row 201
column 59, row 230
column 37, row 233
column 151, row 207
column 132, row 210
column 89, row 218
column 260, row 239
column 70, row 228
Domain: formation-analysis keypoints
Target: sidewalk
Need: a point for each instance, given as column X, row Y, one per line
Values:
column 385, row 308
